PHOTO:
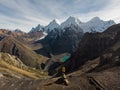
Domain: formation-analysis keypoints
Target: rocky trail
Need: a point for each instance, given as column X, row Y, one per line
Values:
column 96, row 81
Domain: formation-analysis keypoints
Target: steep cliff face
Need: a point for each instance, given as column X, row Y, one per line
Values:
column 94, row 45
column 60, row 41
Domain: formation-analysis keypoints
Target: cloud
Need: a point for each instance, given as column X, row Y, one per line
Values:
column 111, row 11
column 28, row 13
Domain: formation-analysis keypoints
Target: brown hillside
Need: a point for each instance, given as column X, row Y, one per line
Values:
column 12, row 46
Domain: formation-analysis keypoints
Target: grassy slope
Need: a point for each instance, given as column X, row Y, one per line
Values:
column 7, row 65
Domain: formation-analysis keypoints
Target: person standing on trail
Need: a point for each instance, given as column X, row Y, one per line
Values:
column 65, row 80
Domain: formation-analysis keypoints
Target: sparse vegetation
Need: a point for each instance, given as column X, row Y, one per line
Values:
column 14, row 67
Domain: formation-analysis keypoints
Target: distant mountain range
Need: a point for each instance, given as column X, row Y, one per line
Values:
column 64, row 37
column 93, row 25
column 61, row 38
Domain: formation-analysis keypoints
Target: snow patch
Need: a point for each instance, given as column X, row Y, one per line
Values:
column 44, row 35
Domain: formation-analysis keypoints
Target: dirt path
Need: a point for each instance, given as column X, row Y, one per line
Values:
column 97, row 84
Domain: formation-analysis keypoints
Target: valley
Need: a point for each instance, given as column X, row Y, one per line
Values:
column 90, row 53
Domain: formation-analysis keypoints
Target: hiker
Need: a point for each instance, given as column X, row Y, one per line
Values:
column 65, row 80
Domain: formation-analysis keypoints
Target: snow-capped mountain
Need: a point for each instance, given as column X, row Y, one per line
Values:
column 65, row 37
column 53, row 24
column 96, row 25
column 63, row 40
column 71, row 20
column 37, row 28
column 93, row 25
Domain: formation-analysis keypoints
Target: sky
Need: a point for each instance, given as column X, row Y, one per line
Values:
column 25, row 14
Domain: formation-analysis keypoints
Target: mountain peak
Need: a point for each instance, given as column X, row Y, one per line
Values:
column 73, row 19
column 95, row 19
column 37, row 28
column 52, row 25
column 39, row 25
column 56, row 21
column 69, row 21
column 96, row 25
